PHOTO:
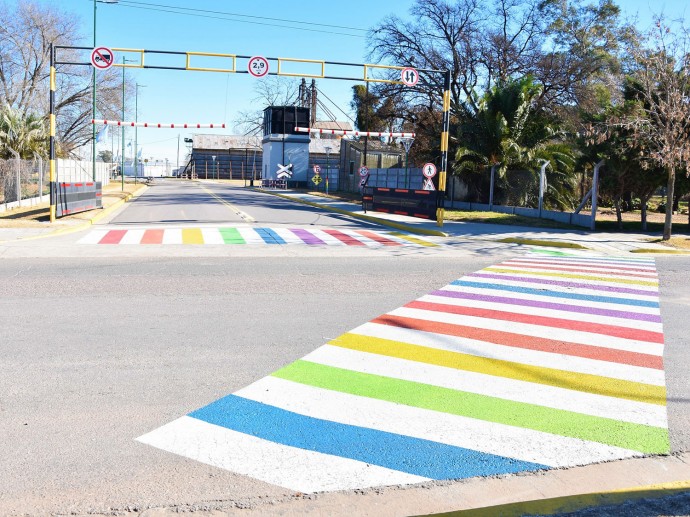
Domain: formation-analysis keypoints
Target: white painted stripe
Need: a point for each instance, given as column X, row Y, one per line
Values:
column 250, row 236
column 172, row 236
column 492, row 386
column 549, row 313
column 596, row 278
column 589, row 256
column 93, row 237
column 527, row 329
column 538, row 358
column 327, row 238
column 288, row 236
column 606, row 265
column 594, row 290
column 552, row 299
column 289, row 467
column 132, row 237
column 491, row 438
column 212, row 236
column 504, row 280
column 606, row 271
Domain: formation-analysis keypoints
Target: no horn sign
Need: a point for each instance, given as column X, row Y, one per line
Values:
column 102, row 58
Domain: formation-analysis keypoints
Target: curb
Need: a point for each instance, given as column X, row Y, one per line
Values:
column 573, row 503
column 368, row 218
column 78, row 227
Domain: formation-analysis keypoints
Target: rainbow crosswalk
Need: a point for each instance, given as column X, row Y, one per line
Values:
column 255, row 236
column 539, row 362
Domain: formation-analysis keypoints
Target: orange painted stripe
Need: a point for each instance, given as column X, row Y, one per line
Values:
column 544, row 321
column 343, row 237
column 379, row 238
column 579, row 270
column 152, row 237
column 512, row 339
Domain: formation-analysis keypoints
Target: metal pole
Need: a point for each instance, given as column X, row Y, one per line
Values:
column 136, row 143
column 52, row 177
column 491, row 186
column 440, row 212
column 122, row 147
column 542, row 186
column 93, row 107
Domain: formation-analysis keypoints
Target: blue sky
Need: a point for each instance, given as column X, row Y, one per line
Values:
column 188, row 96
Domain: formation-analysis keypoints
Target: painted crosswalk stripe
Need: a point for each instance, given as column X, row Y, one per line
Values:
column 501, row 371
column 231, row 236
column 269, row 236
column 502, row 440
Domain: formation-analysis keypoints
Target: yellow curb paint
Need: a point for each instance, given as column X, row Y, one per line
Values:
column 569, row 275
column 413, row 239
column 572, row 503
column 192, row 236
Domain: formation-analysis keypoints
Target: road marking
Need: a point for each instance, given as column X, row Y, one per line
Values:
column 500, row 371
column 243, row 215
column 253, row 236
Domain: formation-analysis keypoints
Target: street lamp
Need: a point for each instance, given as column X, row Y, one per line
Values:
column 93, row 96
column 328, row 167
column 213, row 157
column 122, row 158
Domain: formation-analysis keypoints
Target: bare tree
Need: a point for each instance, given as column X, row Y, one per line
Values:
column 27, row 29
column 270, row 91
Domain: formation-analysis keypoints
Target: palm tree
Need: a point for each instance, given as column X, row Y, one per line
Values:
column 23, row 134
column 505, row 131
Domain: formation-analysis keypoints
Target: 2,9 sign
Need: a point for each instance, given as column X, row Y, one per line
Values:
column 258, row 66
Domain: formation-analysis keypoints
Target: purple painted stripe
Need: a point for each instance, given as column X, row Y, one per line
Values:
column 549, row 305
column 306, row 236
column 562, row 283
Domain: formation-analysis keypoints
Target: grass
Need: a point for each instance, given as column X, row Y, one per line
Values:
column 544, row 243
column 506, row 219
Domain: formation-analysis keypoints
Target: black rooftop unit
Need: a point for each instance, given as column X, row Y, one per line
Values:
column 282, row 120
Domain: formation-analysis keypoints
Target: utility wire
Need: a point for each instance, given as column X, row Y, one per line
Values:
column 224, row 16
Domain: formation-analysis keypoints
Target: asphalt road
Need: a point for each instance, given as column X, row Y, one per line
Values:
column 97, row 351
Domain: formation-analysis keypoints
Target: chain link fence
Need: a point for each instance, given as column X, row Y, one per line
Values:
column 26, row 182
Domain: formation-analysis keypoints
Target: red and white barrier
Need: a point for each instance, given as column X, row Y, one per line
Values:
column 355, row 133
column 149, row 124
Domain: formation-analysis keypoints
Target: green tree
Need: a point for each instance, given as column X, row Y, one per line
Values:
column 24, row 134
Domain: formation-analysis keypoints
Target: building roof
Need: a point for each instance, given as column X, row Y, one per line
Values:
column 225, row 142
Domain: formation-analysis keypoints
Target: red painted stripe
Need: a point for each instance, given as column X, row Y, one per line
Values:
column 378, row 238
column 66, row 184
column 98, row 194
column 381, row 189
column 422, row 216
column 152, row 237
column 401, row 190
column 385, row 210
column 582, row 270
column 343, row 237
column 525, row 342
column 581, row 326
column 113, row 237
column 89, row 184
column 400, row 213
column 78, row 184
column 422, row 192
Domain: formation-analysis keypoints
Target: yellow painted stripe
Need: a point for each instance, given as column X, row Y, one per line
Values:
column 192, row 236
column 52, row 124
column 444, row 141
column 446, row 100
column 569, row 275
column 573, row 503
column 52, row 78
column 414, row 239
column 499, row 368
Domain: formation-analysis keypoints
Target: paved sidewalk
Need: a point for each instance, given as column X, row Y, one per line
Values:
column 603, row 242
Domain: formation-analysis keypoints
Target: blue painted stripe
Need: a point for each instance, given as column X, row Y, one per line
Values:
column 397, row 452
column 269, row 236
column 556, row 294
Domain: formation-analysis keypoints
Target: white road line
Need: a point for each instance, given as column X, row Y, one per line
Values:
column 289, row 467
column 172, row 236
column 470, row 433
column 132, row 237
column 212, row 236
column 492, row 386
column 514, row 354
column 93, row 237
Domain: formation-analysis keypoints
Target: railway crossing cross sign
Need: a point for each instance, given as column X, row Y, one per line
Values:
column 284, row 171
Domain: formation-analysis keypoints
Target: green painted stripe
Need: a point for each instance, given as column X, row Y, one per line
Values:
column 637, row 437
column 231, row 236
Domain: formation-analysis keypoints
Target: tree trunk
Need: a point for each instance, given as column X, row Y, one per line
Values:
column 668, row 220
column 643, row 211
column 619, row 218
